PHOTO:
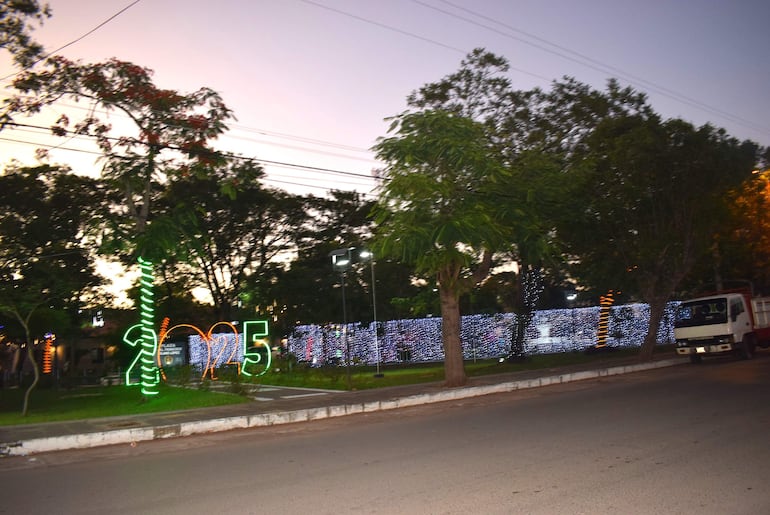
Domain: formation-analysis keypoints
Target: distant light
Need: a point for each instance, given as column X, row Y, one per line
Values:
column 97, row 321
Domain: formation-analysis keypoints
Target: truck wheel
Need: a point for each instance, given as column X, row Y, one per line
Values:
column 747, row 347
column 695, row 359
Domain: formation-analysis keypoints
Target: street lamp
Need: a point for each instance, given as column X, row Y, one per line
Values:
column 341, row 261
column 367, row 255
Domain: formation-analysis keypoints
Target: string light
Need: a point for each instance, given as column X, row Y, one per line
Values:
column 149, row 342
column 255, row 335
column 48, row 351
column 208, row 350
column 482, row 336
column 143, row 336
column 605, row 303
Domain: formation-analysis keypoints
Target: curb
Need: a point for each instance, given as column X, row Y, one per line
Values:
column 133, row 435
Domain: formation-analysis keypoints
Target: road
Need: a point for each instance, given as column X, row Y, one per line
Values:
column 680, row 440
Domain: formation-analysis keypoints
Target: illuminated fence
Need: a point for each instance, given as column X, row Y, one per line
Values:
column 483, row 336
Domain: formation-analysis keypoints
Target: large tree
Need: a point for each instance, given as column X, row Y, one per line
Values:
column 45, row 214
column 433, row 211
column 524, row 195
column 169, row 134
column 649, row 196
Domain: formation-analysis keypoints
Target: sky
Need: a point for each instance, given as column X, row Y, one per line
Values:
column 311, row 82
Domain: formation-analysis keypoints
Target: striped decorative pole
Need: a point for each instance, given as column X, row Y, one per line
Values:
column 606, row 302
column 149, row 344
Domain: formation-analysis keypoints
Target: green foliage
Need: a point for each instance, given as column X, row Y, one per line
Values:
column 308, row 290
column 44, row 219
column 741, row 250
column 652, row 195
column 227, row 240
column 431, row 211
column 172, row 136
column 17, row 21
column 657, row 196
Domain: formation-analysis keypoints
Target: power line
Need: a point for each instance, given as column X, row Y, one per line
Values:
column 583, row 59
column 265, row 132
column 231, row 155
column 270, row 177
column 303, row 139
column 102, row 24
column 410, row 34
column 587, row 61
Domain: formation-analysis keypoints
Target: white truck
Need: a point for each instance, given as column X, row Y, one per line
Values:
column 722, row 323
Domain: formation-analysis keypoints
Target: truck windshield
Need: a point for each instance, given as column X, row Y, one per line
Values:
column 701, row 312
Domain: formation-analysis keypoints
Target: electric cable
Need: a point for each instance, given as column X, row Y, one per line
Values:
column 593, row 63
column 54, row 52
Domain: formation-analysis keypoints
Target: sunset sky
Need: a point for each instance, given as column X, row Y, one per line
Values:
column 311, row 81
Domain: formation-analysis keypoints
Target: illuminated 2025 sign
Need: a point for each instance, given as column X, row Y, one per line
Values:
column 249, row 350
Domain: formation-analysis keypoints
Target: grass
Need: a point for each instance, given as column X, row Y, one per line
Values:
column 363, row 377
column 53, row 405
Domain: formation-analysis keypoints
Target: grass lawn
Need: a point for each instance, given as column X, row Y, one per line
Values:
column 363, row 377
column 51, row 405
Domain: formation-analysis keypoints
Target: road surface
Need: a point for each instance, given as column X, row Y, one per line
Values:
column 680, row 440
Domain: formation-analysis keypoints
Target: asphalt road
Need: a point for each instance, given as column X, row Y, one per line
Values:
column 685, row 439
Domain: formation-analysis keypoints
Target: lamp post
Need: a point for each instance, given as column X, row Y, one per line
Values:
column 367, row 255
column 341, row 261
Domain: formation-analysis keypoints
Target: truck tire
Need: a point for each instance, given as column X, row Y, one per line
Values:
column 695, row 359
column 747, row 346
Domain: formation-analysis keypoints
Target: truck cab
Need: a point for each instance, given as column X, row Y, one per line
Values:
column 716, row 324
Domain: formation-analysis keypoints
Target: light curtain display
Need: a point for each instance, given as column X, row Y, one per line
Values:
column 483, row 336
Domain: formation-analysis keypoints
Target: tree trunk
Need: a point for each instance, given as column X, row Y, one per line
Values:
column 35, row 369
column 454, row 368
column 657, row 307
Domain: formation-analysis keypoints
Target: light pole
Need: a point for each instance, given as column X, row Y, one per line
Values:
column 341, row 261
column 367, row 255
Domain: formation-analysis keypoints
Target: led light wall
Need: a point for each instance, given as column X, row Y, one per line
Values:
column 483, row 336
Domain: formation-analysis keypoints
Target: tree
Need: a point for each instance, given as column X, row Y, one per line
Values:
column 17, row 19
column 532, row 183
column 432, row 211
column 742, row 250
column 171, row 136
column 231, row 240
column 44, row 216
column 307, row 290
column 649, row 196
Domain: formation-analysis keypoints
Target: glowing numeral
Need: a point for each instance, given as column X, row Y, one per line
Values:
column 254, row 336
column 135, row 337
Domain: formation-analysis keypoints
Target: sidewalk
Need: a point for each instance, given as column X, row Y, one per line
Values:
column 81, row 434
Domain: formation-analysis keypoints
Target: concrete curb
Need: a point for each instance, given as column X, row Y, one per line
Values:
column 133, row 435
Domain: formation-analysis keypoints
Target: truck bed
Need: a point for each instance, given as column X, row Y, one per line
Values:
column 761, row 308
